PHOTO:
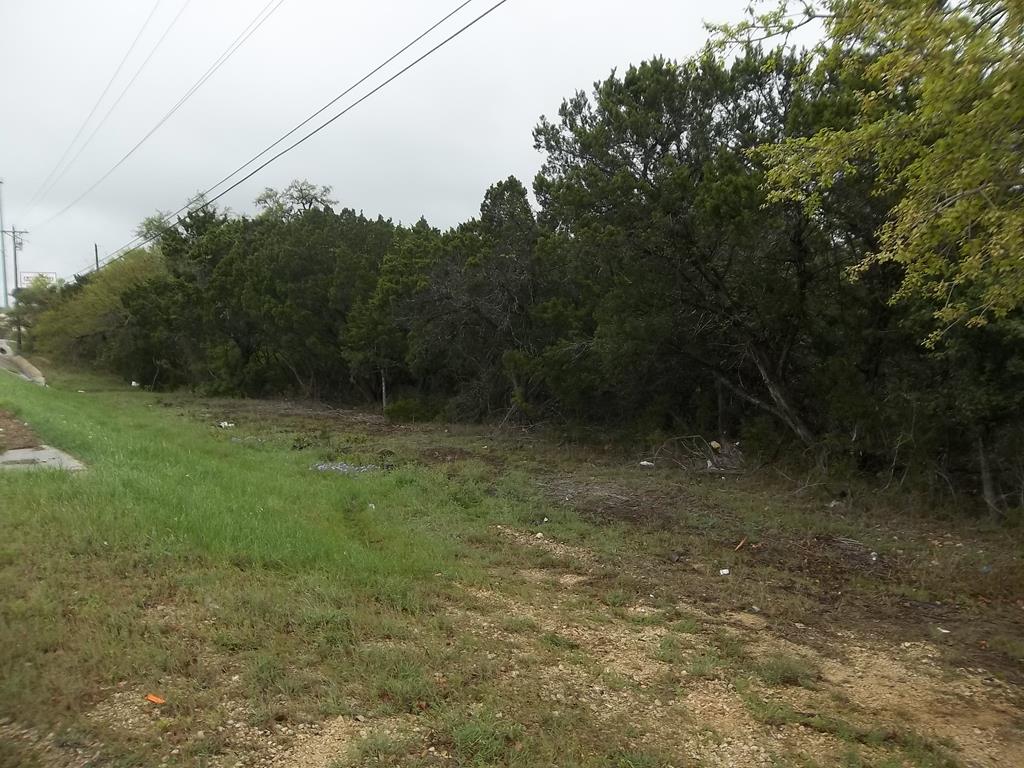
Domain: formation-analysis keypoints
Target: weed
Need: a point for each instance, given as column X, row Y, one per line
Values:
column 485, row 740
column 687, row 625
column 670, row 650
column 377, row 747
column 918, row 750
column 399, row 677
column 558, row 642
column 706, row 665
column 783, row 669
column 520, row 625
column 617, row 598
column 730, row 646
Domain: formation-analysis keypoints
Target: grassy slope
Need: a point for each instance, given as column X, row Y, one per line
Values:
column 296, row 563
column 236, row 583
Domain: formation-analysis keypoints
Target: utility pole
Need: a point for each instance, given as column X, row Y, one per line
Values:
column 15, row 234
column 3, row 248
column 96, row 253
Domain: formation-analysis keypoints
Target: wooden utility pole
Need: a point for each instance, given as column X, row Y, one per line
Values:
column 15, row 234
column 3, row 249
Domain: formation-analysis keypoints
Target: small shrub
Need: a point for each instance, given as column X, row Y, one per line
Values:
column 780, row 669
column 704, row 665
column 413, row 409
column 670, row 650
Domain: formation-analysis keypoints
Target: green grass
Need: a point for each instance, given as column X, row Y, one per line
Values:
column 212, row 567
column 520, row 625
column 284, row 573
column 558, row 642
column 785, row 669
column 197, row 566
column 670, row 650
column 687, row 625
column 705, row 665
column 485, row 740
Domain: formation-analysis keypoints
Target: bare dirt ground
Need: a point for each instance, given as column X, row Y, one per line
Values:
column 892, row 688
column 14, row 433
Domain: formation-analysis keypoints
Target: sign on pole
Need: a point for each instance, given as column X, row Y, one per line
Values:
column 25, row 279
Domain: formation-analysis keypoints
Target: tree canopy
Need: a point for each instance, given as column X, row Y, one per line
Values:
column 939, row 124
column 816, row 251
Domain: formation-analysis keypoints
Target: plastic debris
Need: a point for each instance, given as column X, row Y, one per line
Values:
column 154, row 699
column 226, row 424
column 646, row 463
column 943, row 631
column 135, row 385
column 539, row 535
column 723, row 572
column 874, row 557
column 715, row 445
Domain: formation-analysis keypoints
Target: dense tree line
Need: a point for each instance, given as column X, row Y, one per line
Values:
column 821, row 249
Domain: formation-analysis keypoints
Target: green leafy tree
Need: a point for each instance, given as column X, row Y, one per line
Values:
column 87, row 327
column 940, row 124
column 698, row 281
column 297, row 198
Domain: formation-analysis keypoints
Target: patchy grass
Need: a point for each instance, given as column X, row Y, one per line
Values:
column 670, row 650
column 913, row 748
column 558, row 642
column 706, row 665
column 520, row 624
column 486, row 740
column 212, row 567
column 786, row 669
column 687, row 625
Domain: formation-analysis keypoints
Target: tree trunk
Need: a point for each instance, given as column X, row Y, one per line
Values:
column 780, row 399
column 988, row 486
column 720, row 391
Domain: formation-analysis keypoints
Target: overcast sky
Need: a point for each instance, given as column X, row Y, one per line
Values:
column 428, row 144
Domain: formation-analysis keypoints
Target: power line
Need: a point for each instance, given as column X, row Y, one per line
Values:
column 96, row 106
column 237, row 43
column 140, row 241
column 120, row 96
column 346, row 92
